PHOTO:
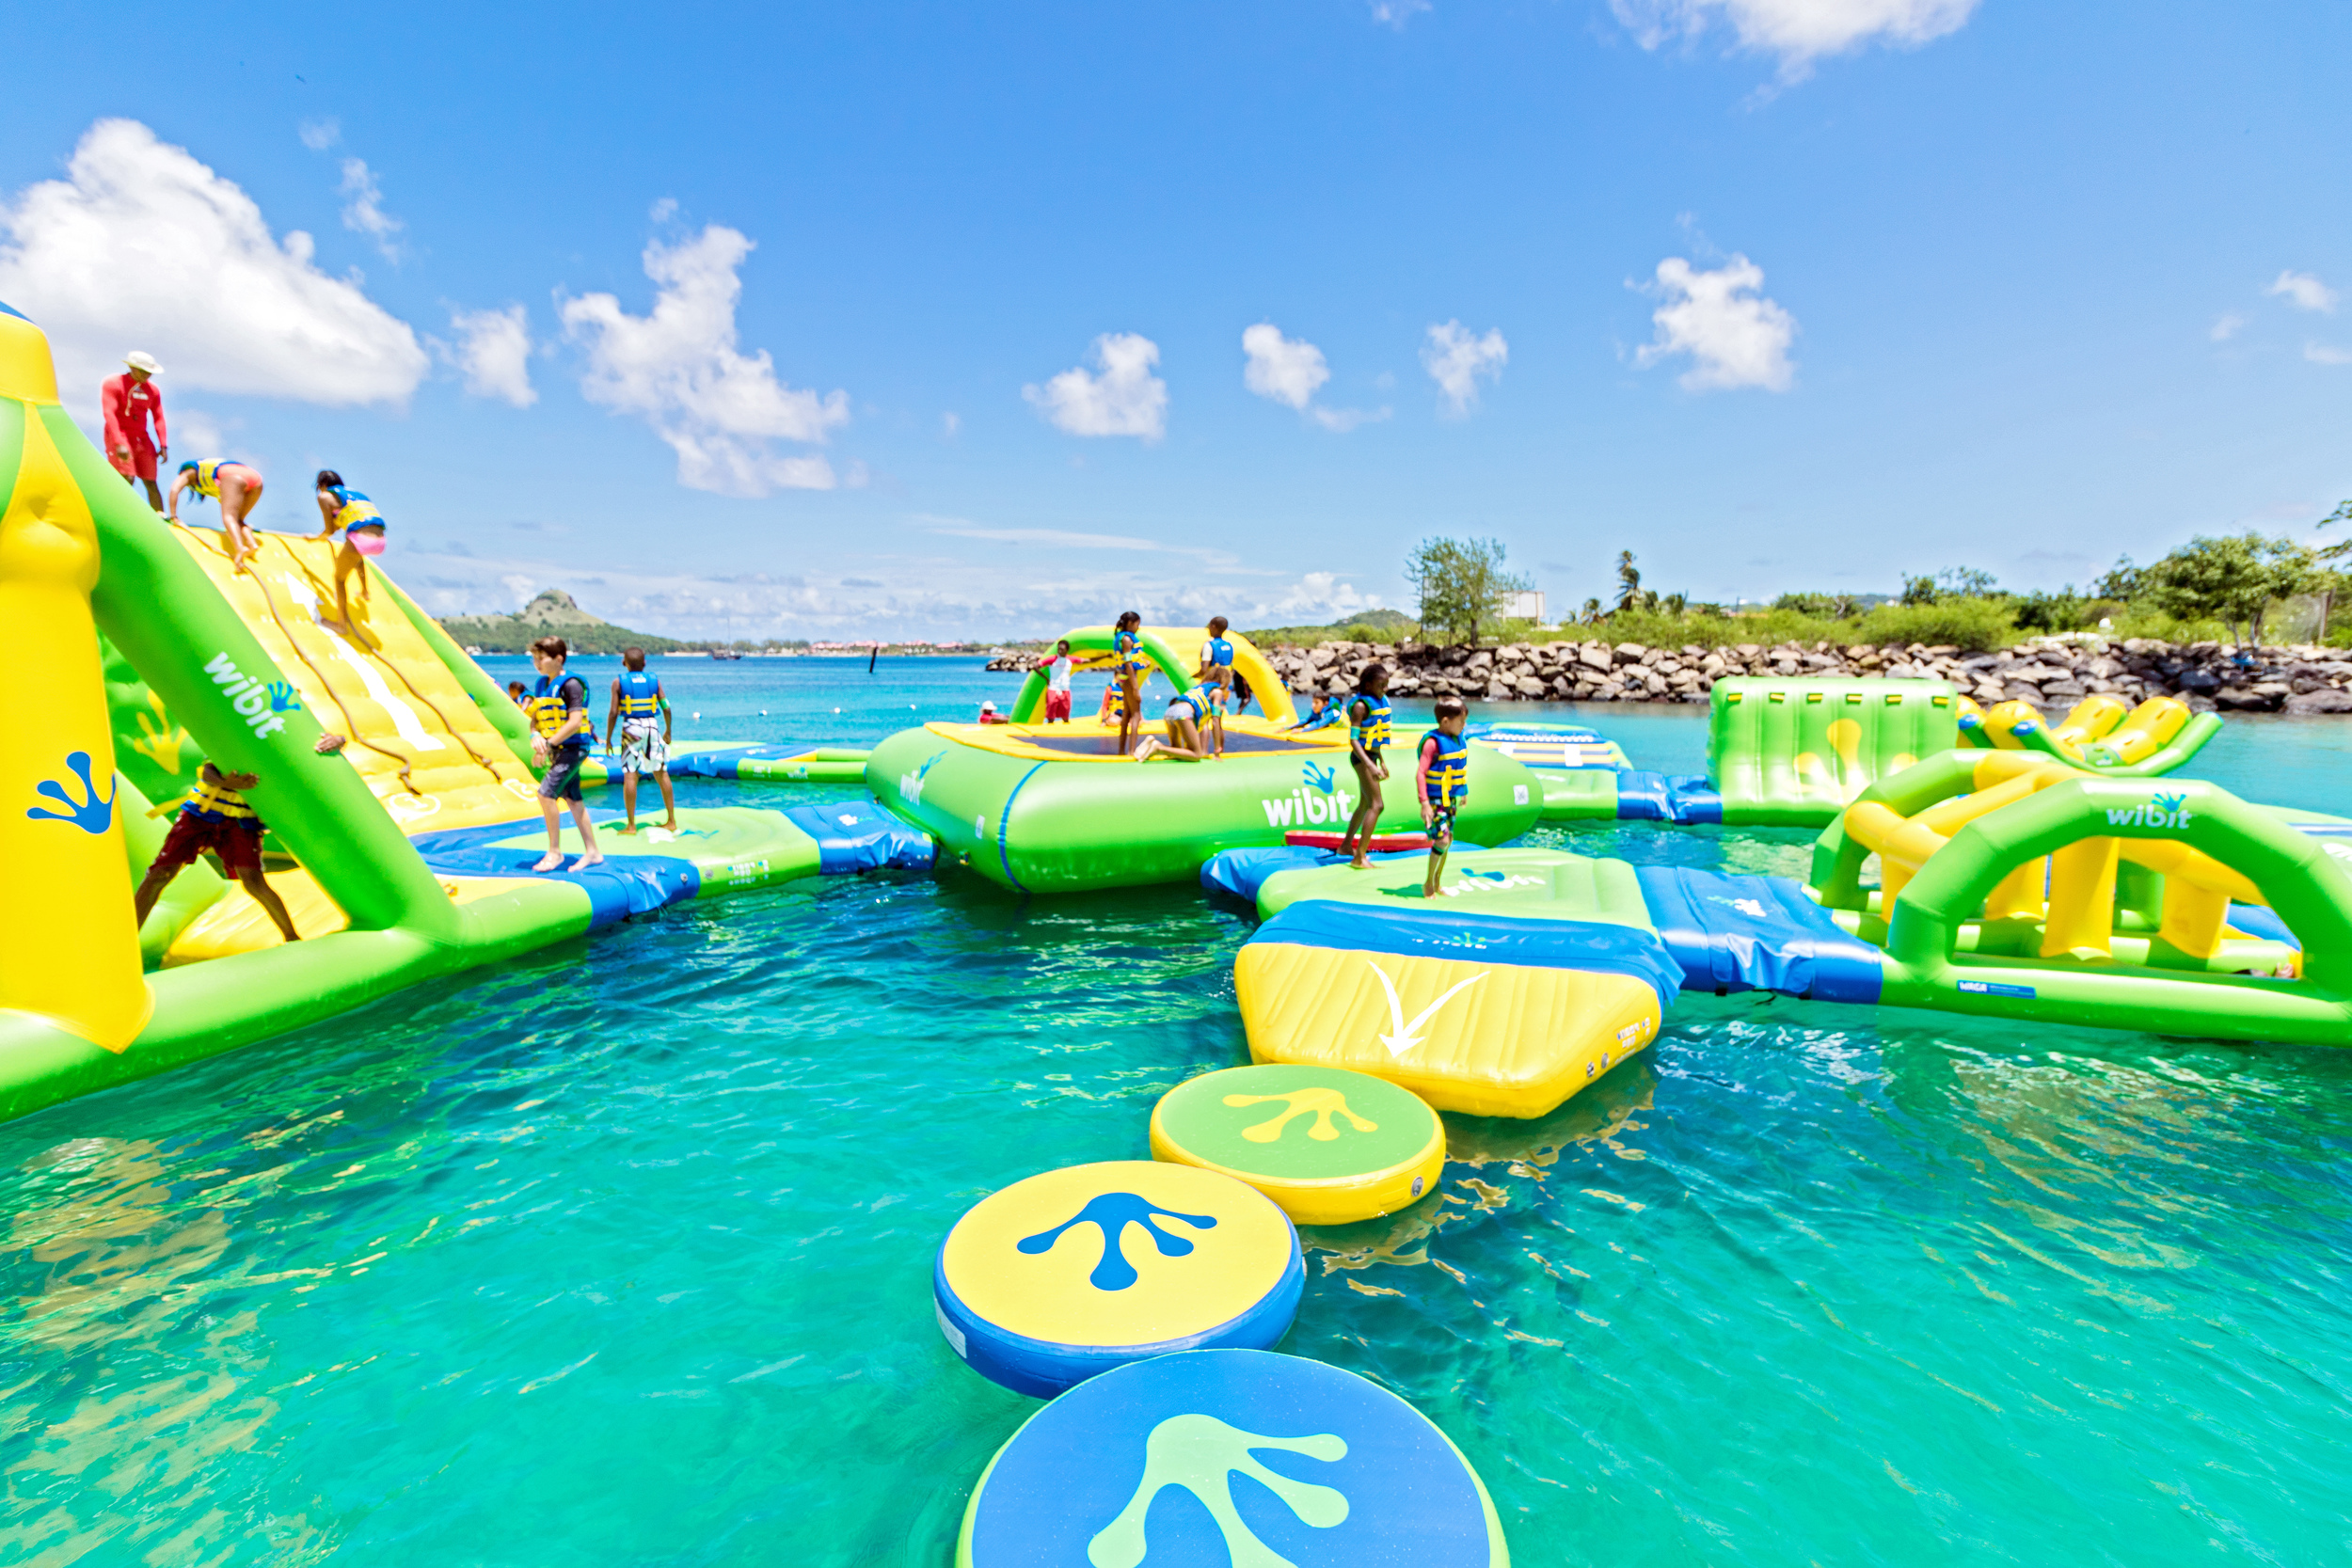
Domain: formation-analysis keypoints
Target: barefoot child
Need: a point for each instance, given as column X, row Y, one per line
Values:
column 1127, row 643
column 1217, row 672
column 1058, row 670
column 1187, row 711
column 1442, row 775
column 558, row 708
column 1367, row 737
column 637, row 703
column 238, row 488
column 362, row 528
column 214, row 819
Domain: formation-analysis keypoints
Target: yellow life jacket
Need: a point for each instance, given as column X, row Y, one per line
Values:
column 545, row 706
column 217, row 802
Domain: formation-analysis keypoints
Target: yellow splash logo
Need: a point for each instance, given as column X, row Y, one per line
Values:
column 1321, row 1103
column 160, row 739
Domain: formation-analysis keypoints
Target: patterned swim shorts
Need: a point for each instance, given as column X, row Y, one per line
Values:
column 643, row 749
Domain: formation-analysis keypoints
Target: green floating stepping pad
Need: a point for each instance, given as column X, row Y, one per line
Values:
column 1329, row 1145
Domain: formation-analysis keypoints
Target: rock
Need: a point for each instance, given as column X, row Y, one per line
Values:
column 2199, row 681
column 1593, row 657
column 2239, row 698
column 2325, row 700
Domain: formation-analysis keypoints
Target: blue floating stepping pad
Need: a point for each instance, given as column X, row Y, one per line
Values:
column 1230, row 1456
column 1069, row 1273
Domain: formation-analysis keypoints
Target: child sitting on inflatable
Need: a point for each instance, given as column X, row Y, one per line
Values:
column 362, row 528
column 1367, row 737
column 1441, row 776
column 216, row 819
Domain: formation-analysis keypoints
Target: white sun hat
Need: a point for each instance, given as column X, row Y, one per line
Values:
column 139, row 359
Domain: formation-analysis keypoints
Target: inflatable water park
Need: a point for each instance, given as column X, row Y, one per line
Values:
column 1969, row 861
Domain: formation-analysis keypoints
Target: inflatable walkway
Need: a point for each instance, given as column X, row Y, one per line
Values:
column 2010, row 885
column 1796, row 753
column 139, row 654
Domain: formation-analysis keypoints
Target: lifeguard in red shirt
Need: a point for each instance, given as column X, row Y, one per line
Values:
column 132, row 401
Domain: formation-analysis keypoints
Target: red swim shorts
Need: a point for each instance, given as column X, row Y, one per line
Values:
column 1057, row 707
column 140, row 464
column 239, row 849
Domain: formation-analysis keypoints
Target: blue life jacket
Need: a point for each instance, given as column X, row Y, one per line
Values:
column 1372, row 734
column 641, row 695
column 1448, row 776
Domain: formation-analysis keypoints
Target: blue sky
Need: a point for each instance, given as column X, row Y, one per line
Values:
column 949, row 334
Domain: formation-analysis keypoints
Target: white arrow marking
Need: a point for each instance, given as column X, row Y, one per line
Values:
column 1409, row 1034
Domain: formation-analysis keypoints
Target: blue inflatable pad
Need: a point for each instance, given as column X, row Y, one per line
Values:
column 1684, row 798
column 1243, row 872
column 1756, row 933
column 622, row 886
column 1285, row 1461
column 1500, row 939
column 2255, row 920
column 858, row 835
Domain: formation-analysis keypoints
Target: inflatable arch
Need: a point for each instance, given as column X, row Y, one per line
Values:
column 2012, row 885
column 2099, row 734
column 1173, row 651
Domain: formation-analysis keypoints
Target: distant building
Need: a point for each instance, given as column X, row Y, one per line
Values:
column 1527, row 606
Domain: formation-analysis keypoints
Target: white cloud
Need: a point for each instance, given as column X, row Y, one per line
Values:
column 1456, row 360
column 1396, row 13
column 1797, row 31
column 142, row 246
column 663, row 210
column 950, row 424
column 2323, row 354
column 1126, row 398
column 493, row 351
column 320, row 134
column 1734, row 335
column 2226, row 326
column 677, row 368
column 1288, row 369
column 364, row 214
column 2305, row 292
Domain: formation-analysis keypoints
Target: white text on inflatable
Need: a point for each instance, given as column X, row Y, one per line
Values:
column 1305, row 805
column 250, row 697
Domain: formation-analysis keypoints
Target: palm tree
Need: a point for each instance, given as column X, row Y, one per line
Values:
column 1629, row 582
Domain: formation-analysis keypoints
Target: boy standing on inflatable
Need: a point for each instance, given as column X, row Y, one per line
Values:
column 557, row 709
column 130, row 400
column 1217, row 673
column 1057, row 671
column 637, row 701
column 1442, row 775
column 362, row 528
column 1367, row 737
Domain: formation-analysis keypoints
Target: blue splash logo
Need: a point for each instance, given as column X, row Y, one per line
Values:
column 90, row 814
column 283, row 698
column 1321, row 778
column 2162, row 811
column 1111, row 1213
column 911, row 785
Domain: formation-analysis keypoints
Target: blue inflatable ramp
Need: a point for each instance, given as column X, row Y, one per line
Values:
column 1756, row 933
column 1683, row 797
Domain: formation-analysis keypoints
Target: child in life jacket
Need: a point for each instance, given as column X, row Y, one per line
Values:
column 215, row 820
column 558, row 710
column 643, row 717
column 1442, row 775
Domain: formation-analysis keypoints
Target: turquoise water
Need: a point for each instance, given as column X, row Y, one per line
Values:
column 621, row 1254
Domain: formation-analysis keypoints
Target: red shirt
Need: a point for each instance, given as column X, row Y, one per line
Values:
column 129, row 407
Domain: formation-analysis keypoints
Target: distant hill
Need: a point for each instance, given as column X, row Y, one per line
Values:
column 1388, row 624
column 552, row 613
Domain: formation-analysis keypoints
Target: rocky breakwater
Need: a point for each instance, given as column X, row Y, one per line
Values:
column 2052, row 674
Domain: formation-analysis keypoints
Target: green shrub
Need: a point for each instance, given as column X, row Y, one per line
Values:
column 1973, row 626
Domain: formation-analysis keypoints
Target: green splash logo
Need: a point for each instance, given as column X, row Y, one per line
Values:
column 1201, row 1454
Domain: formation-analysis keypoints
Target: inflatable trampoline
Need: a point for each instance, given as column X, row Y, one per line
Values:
column 1058, row 810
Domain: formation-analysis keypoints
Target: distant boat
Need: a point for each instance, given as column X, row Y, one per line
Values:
column 725, row 653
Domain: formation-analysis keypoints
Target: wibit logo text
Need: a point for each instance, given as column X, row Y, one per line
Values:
column 2161, row 811
column 1320, row 800
column 262, row 704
